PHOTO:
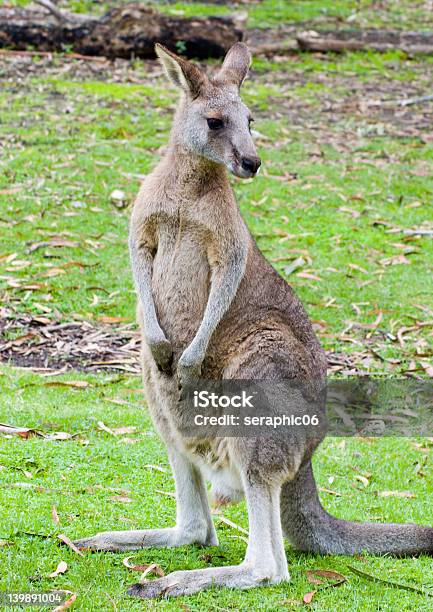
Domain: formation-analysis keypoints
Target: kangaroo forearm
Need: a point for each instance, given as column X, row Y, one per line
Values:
column 141, row 263
column 223, row 290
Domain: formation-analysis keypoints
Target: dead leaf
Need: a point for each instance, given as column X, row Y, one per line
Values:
column 78, row 264
column 166, row 493
column 11, row 190
column 55, row 516
column 353, row 266
column 149, row 568
column 66, row 604
column 158, row 468
column 312, row 579
column 64, row 538
column 395, row 260
column 362, row 479
column 330, row 491
column 230, row 523
column 355, row 214
column 20, row 339
column 120, row 431
column 313, row 576
column 60, row 569
column 103, row 427
column 22, row 432
column 367, row 475
column 77, row 384
column 59, row 435
column 105, row 319
column 308, row 276
column 428, row 368
column 308, row 597
column 4, row 543
column 52, row 272
column 59, row 242
column 123, row 499
column 396, row 494
column 329, row 574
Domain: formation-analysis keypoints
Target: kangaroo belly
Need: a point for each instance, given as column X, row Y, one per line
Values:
column 180, row 281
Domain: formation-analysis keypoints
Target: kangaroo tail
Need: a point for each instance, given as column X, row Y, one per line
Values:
column 310, row 528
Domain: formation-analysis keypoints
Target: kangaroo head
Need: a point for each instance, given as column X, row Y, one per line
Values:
column 212, row 120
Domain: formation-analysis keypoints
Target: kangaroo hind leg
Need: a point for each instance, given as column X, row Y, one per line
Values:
column 193, row 520
column 264, row 561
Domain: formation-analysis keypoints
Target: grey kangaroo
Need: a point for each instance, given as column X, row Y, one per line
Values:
column 210, row 305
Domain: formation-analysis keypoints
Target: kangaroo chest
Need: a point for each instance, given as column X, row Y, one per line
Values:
column 180, row 277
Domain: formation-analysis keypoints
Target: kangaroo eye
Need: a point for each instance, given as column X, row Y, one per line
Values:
column 215, row 124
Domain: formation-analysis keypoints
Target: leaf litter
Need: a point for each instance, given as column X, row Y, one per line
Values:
column 47, row 346
column 148, row 568
column 61, row 568
column 316, row 577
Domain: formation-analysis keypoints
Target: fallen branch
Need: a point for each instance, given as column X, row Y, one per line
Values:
column 286, row 46
column 61, row 16
column 411, row 232
column 400, row 102
column 77, row 56
column 397, row 585
column 366, row 40
column 128, row 31
column 416, row 100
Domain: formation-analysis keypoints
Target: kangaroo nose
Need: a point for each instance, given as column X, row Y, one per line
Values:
column 251, row 164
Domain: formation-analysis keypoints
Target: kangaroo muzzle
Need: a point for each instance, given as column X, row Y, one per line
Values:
column 251, row 164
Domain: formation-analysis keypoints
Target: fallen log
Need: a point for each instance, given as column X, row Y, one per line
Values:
column 129, row 31
column 366, row 40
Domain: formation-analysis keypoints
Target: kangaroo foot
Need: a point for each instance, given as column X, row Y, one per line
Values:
column 119, row 541
column 242, row 576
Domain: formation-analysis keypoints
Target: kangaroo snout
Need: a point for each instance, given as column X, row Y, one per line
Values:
column 245, row 166
column 251, row 164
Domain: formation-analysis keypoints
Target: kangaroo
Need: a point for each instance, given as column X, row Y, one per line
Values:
column 211, row 306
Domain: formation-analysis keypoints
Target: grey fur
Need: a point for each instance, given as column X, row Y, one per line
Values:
column 210, row 304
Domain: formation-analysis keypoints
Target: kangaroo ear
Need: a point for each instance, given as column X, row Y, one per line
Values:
column 183, row 74
column 236, row 64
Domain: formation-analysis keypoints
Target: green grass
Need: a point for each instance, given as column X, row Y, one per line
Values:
column 69, row 136
column 68, row 143
column 80, row 477
column 269, row 13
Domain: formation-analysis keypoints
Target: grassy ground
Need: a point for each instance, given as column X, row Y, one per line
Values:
column 268, row 13
column 98, row 481
column 343, row 177
column 342, row 181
